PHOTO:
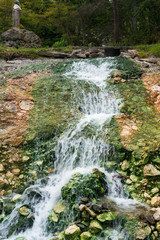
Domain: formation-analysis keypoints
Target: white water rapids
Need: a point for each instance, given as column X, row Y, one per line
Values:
column 77, row 150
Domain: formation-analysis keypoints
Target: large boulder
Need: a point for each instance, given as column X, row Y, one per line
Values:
column 15, row 37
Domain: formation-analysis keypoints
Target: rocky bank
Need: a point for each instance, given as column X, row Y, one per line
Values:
column 136, row 136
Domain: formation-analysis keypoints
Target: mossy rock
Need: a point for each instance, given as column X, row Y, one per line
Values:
column 108, row 216
column 59, row 207
column 85, row 236
column 95, row 227
column 24, row 211
column 72, row 232
column 90, row 185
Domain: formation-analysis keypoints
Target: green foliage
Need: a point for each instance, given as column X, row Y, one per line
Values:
column 129, row 68
column 91, row 186
column 149, row 50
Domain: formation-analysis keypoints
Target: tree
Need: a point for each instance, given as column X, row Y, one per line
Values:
column 116, row 21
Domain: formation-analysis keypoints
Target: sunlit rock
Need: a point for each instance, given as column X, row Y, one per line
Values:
column 95, row 227
column 108, row 216
column 72, row 232
column 85, row 236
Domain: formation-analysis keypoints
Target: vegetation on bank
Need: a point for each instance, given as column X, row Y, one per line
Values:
column 86, row 22
column 149, row 50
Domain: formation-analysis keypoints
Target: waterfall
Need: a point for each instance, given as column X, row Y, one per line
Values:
column 79, row 149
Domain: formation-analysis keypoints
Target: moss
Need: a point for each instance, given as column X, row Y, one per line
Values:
column 128, row 68
column 90, row 185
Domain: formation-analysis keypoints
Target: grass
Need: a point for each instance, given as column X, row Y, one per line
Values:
column 149, row 50
column 9, row 53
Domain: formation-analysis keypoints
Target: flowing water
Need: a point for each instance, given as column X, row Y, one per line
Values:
column 79, row 149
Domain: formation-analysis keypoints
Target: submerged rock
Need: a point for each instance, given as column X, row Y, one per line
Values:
column 23, row 211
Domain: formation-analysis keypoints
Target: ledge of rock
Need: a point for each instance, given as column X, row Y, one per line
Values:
column 16, row 37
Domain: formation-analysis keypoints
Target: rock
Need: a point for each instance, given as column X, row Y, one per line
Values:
column 1, row 168
column 97, row 208
column 23, row 211
column 108, row 216
column 134, row 178
column 2, row 182
column 81, row 207
column 16, row 171
column 25, row 158
column 142, row 233
column 117, row 74
column 59, row 207
column 155, row 190
column 156, row 215
column 147, row 196
column 85, row 236
column 91, row 213
column 20, row 238
column 95, row 227
column 158, row 226
column 53, row 54
column 150, row 170
column 9, row 175
column 53, row 217
column 84, row 199
column 155, row 201
column 16, row 198
column 26, row 105
column 72, row 232
column 125, row 165
column 15, row 37
column 133, row 53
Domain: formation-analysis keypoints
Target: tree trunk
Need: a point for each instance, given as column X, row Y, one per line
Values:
column 116, row 21
column 134, row 18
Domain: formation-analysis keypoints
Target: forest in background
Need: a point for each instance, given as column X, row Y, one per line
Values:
column 83, row 22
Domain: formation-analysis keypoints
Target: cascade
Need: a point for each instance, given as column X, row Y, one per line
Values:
column 79, row 149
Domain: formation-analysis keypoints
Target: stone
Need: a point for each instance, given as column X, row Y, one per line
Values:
column 2, row 182
column 59, row 207
column 155, row 190
column 108, row 216
column 9, row 175
column 117, row 74
column 95, row 227
column 81, row 207
column 53, row 54
column 158, row 226
column 23, row 211
column 1, row 168
column 125, row 165
column 72, row 232
column 20, row 37
column 156, row 215
column 134, row 178
column 25, row 158
column 91, row 213
column 142, row 233
column 155, row 201
column 16, row 198
column 150, row 170
column 133, row 53
column 25, row 105
column 16, row 171
column 54, row 217
column 85, row 236
column 147, row 196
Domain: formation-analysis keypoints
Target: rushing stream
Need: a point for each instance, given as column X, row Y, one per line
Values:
column 77, row 150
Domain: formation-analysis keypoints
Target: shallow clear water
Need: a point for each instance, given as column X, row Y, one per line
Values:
column 79, row 149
